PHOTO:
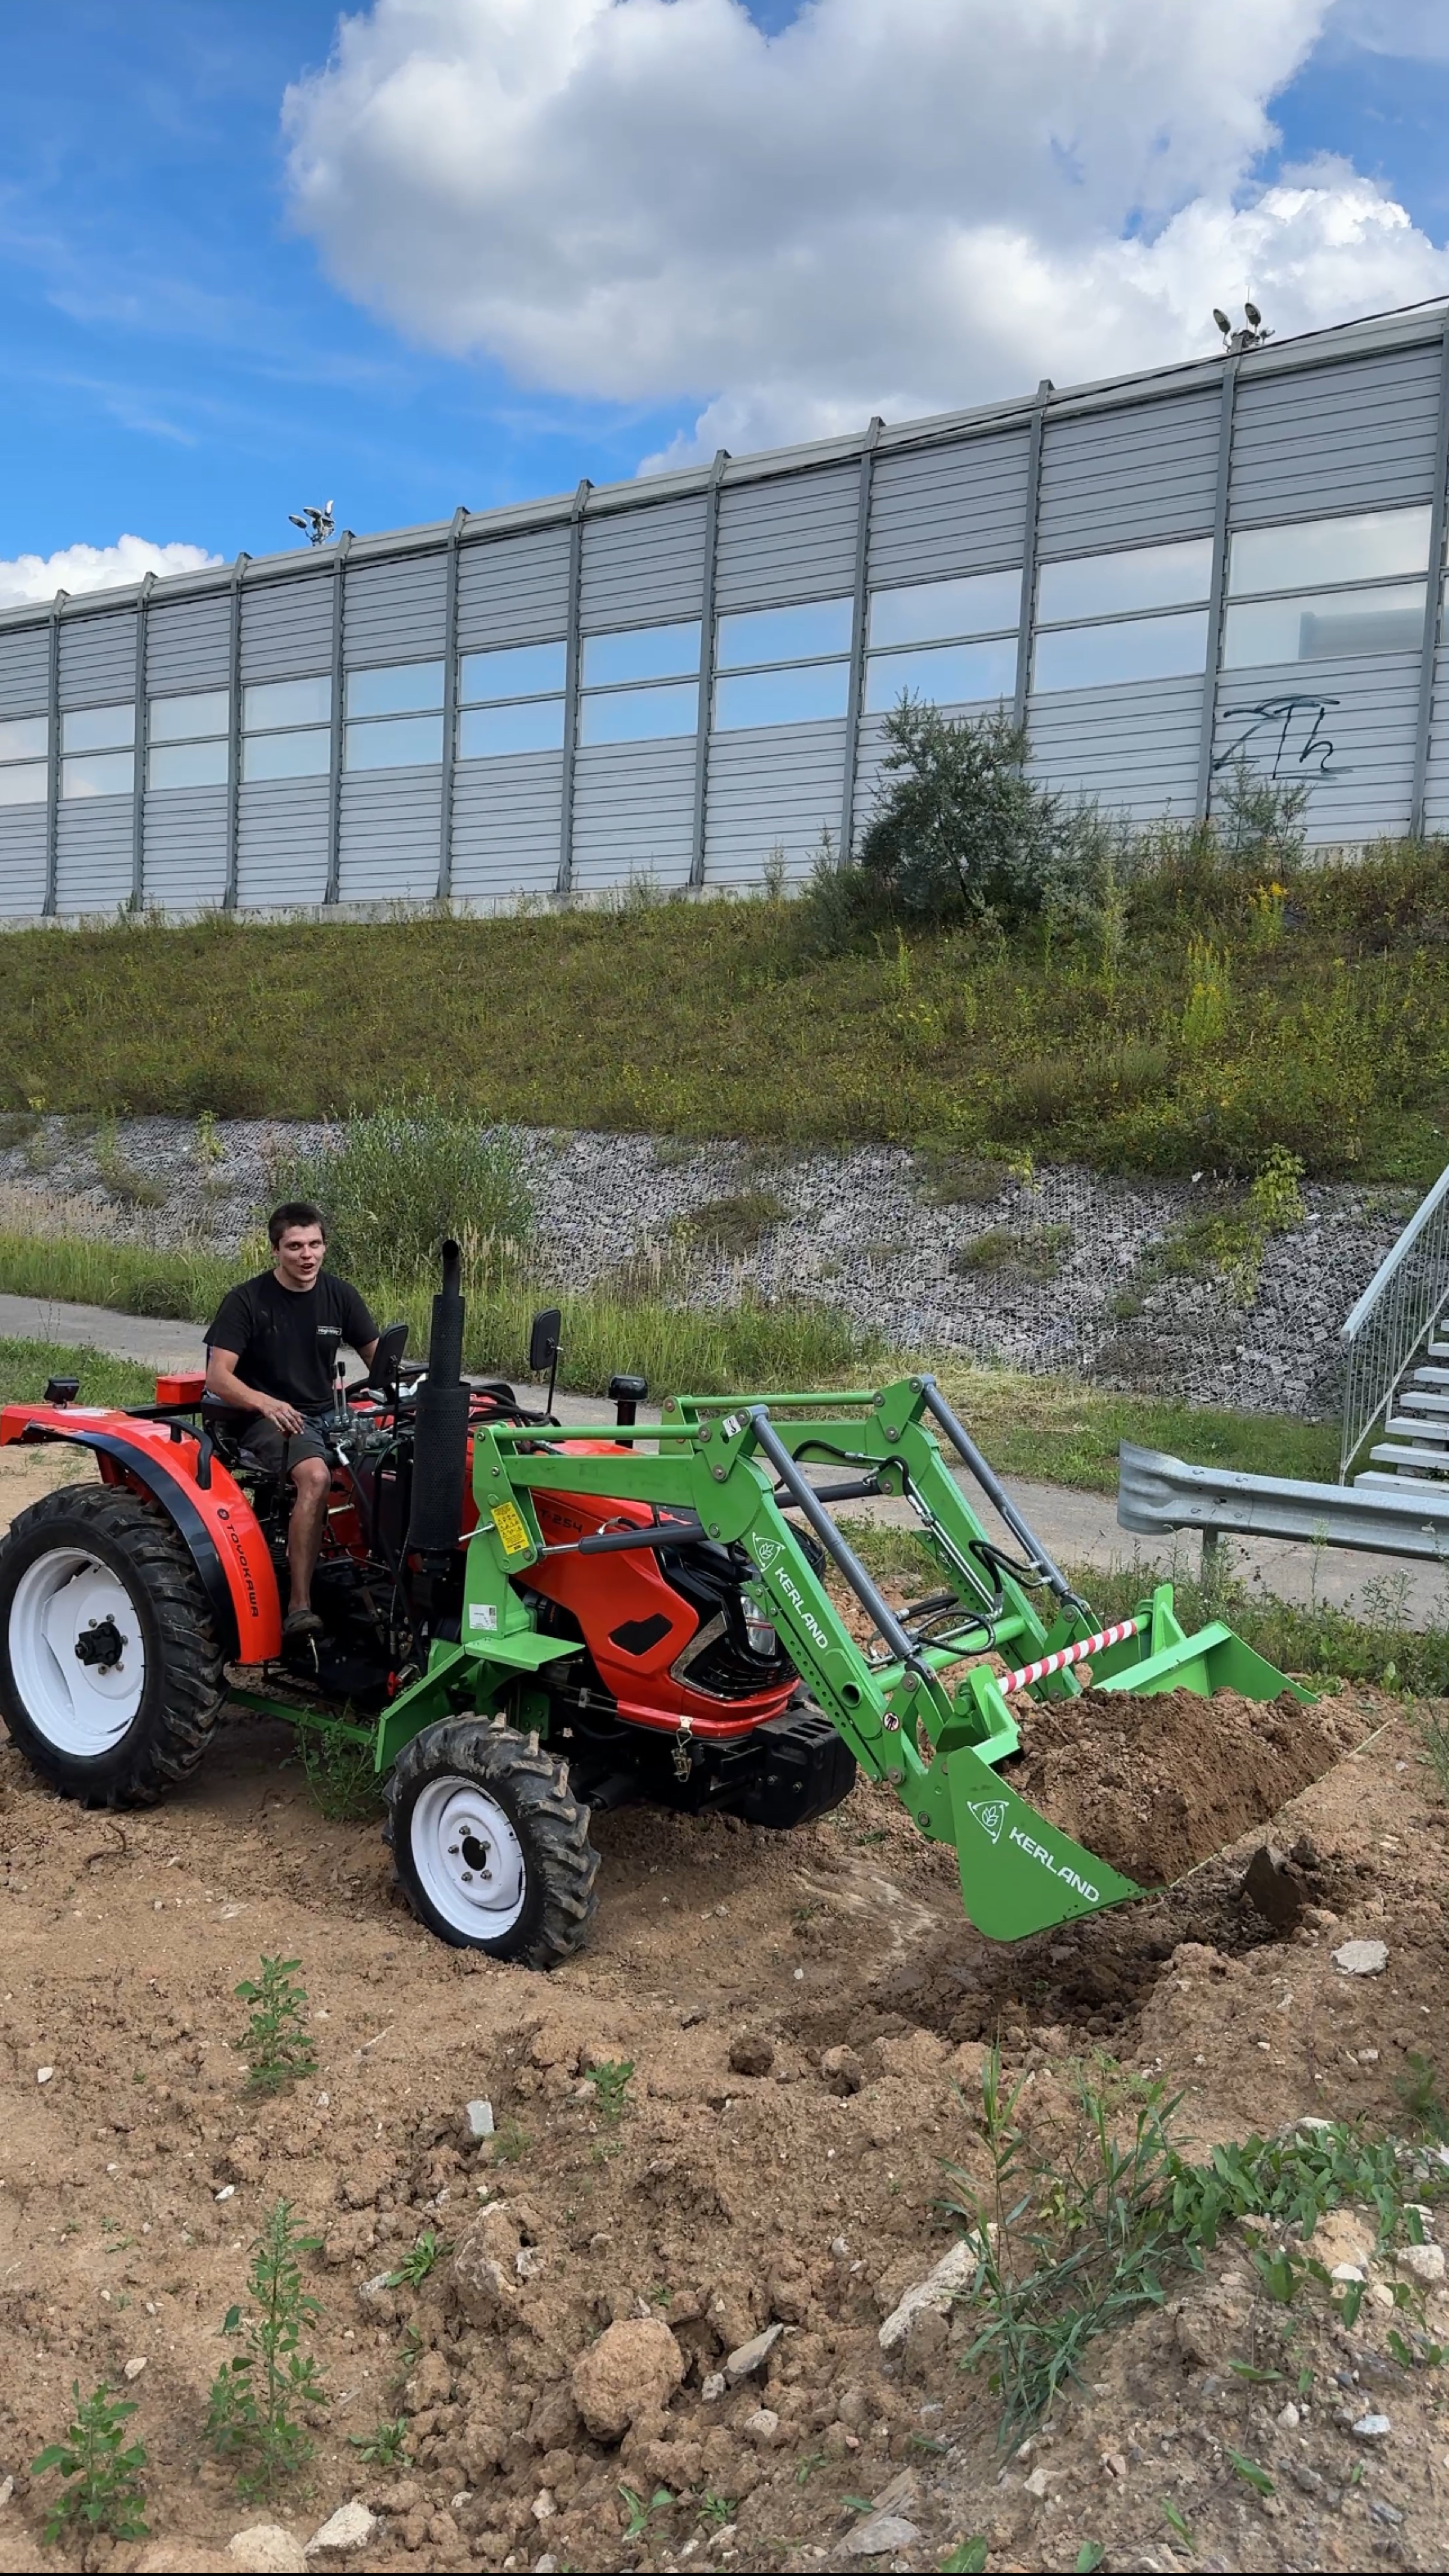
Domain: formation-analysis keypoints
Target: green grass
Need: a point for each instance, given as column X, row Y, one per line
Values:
column 1197, row 1029
column 1054, row 1430
column 25, row 1366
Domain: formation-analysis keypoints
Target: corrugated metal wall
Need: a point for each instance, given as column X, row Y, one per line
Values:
column 1345, row 730
column 286, row 631
column 25, row 670
column 633, row 814
column 98, row 659
column 1436, row 817
column 1353, row 437
column 514, row 590
column 1124, row 478
column 394, row 612
column 94, row 853
column 282, row 841
column 507, row 816
column 1345, row 433
column 185, row 847
column 643, row 566
column 948, row 510
column 389, row 836
column 22, row 859
column 1134, row 749
column 790, row 540
column 188, row 645
column 769, row 790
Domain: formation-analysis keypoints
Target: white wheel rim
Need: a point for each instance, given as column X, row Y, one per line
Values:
column 81, row 1707
column 468, row 1857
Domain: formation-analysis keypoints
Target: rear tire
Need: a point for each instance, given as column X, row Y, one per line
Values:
column 111, row 1675
column 490, row 1848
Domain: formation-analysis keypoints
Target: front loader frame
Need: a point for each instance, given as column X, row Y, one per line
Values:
column 736, row 1469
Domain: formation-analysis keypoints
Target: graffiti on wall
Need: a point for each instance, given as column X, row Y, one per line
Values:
column 1285, row 738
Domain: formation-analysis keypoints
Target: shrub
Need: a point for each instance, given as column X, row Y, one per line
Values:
column 404, row 1176
column 959, row 831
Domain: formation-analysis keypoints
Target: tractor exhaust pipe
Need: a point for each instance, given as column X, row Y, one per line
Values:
column 440, row 1445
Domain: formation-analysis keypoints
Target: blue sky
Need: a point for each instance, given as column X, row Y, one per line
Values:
column 178, row 364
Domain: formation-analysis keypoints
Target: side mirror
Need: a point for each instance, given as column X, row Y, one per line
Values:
column 386, row 1367
column 543, row 1341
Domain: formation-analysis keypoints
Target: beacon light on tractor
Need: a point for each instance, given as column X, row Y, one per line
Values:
column 527, row 1623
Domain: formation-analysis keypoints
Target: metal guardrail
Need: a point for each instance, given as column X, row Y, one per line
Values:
column 1406, row 1295
column 1157, row 1494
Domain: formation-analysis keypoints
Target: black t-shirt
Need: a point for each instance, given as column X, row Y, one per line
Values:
column 273, row 1331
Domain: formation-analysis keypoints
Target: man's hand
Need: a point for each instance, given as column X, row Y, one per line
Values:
column 272, row 1407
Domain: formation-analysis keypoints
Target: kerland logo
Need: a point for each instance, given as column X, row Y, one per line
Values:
column 990, row 1814
column 766, row 1551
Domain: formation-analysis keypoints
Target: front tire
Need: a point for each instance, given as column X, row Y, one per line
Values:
column 489, row 1847
column 111, row 1676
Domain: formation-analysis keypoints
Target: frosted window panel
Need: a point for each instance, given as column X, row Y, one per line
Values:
column 952, row 675
column 642, row 653
column 97, row 728
column 204, row 711
column 807, row 696
column 639, row 715
column 517, row 671
column 1104, row 657
column 105, row 773
column 785, row 634
column 1111, row 585
column 287, row 755
column 25, row 738
column 1372, row 547
column 405, row 742
column 491, row 733
column 187, row 764
column 928, row 610
column 24, row 784
column 1328, row 624
column 287, row 702
column 402, row 689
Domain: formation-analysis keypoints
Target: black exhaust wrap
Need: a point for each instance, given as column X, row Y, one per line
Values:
column 440, row 1449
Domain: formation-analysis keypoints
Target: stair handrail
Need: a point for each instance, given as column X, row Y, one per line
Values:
column 1404, row 1299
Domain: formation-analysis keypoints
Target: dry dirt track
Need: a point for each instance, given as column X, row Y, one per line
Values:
column 132, row 2180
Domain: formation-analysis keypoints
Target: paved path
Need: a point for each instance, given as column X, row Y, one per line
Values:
column 1079, row 1529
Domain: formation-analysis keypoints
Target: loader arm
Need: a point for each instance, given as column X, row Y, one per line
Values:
column 742, row 1469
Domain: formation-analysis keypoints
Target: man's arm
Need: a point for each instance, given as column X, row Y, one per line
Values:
column 222, row 1381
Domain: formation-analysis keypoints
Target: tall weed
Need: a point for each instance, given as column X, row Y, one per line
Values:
column 402, row 1177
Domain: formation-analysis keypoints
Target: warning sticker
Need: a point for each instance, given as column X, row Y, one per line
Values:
column 512, row 1528
column 482, row 1614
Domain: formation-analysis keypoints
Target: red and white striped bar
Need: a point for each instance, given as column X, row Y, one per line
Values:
column 1068, row 1655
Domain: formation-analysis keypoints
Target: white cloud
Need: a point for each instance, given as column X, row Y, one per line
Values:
column 894, row 205
column 80, row 567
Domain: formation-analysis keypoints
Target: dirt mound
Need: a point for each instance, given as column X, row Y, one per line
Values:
column 1155, row 1785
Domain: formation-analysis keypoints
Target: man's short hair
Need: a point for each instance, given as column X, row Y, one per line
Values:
column 293, row 1212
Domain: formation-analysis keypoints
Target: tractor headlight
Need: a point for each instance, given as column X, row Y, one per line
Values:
column 762, row 1639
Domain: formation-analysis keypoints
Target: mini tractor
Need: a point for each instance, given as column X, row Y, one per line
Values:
column 526, row 1624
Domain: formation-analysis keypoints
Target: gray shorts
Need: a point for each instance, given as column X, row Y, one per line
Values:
column 275, row 1451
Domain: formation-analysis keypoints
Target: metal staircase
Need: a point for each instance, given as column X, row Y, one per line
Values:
column 1397, row 1361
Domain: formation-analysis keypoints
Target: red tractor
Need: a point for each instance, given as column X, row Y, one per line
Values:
column 125, row 1607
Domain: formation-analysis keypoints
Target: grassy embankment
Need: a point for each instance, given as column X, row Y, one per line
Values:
column 1197, row 1021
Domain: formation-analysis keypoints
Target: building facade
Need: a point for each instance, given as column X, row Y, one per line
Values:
column 676, row 679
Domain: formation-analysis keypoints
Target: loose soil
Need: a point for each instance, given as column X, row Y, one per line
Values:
column 744, row 2183
column 1156, row 1785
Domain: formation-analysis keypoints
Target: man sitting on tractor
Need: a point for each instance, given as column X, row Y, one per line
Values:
column 269, row 1358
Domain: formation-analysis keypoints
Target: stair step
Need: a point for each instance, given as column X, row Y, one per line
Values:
column 1415, row 1400
column 1426, row 1428
column 1430, row 1377
column 1410, row 1485
column 1390, row 1453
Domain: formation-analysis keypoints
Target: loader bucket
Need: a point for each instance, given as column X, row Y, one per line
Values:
column 1019, row 1872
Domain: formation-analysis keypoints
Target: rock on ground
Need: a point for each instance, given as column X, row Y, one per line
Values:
column 633, row 2369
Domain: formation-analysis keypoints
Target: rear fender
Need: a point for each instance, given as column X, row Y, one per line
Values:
column 215, row 1523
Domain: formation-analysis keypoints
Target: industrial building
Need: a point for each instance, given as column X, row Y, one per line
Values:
column 671, row 679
